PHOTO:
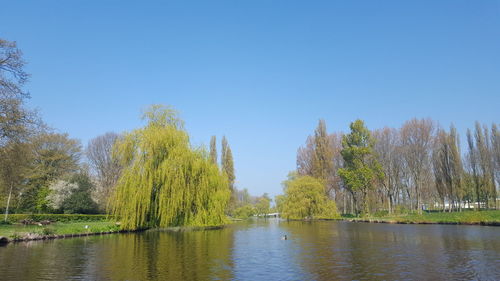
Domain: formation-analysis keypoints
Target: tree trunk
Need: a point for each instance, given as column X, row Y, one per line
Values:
column 8, row 202
column 345, row 202
column 477, row 196
column 390, row 203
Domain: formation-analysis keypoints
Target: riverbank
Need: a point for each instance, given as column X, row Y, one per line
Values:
column 488, row 218
column 19, row 232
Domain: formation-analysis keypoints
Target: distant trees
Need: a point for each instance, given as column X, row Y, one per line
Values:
column 263, row 205
column 420, row 166
column 246, row 205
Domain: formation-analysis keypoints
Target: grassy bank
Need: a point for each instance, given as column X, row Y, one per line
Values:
column 27, row 232
column 491, row 217
column 16, row 218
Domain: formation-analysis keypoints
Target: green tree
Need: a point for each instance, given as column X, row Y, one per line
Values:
column 54, row 156
column 305, row 198
column 245, row 211
column 322, row 162
column 263, row 204
column 228, row 169
column 17, row 123
column 316, row 158
column 279, row 201
column 165, row 182
column 13, row 169
column 80, row 201
column 227, row 162
column 361, row 168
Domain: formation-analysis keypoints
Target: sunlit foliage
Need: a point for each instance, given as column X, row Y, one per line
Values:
column 361, row 168
column 165, row 182
column 305, row 198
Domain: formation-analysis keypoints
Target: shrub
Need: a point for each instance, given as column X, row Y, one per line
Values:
column 14, row 218
column 381, row 213
column 48, row 231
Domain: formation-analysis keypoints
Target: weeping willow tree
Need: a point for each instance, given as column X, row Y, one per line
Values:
column 165, row 182
column 305, row 198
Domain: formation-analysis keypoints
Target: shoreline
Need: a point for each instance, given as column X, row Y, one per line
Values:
column 388, row 221
column 37, row 237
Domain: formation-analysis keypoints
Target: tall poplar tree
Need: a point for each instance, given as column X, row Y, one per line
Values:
column 473, row 159
column 485, row 162
column 448, row 167
column 322, row 165
column 495, row 144
column 227, row 162
column 322, row 160
column 213, row 149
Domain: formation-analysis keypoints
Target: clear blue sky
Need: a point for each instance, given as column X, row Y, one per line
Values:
column 261, row 72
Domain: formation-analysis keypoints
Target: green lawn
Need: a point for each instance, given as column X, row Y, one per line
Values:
column 59, row 228
column 464, row 217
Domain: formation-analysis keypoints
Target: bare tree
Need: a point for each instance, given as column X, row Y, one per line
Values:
column 305, row 157
column 473, row 164
column 495, row 149
column 447, row 166
column 14, row 117
column 105, row 167
column 485, row 161
column 387, row 148
column 417, row 136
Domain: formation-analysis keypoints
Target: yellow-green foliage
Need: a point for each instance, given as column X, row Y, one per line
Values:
column 305, row 198
column 245, row 211
column 165, row 182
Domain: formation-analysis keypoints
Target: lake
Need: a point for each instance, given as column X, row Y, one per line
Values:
column 254, row 250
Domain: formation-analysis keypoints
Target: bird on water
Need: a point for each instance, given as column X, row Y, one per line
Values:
column 284, row 237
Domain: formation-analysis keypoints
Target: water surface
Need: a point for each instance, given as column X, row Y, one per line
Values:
column 254, row 250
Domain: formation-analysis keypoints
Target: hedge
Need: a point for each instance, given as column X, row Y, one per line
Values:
column 57, row 217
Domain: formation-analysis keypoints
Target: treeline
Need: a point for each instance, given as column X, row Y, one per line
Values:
column 148, row 177
column 241, row 203
column 247, row 205
column 419, row 166
column 42, row 170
